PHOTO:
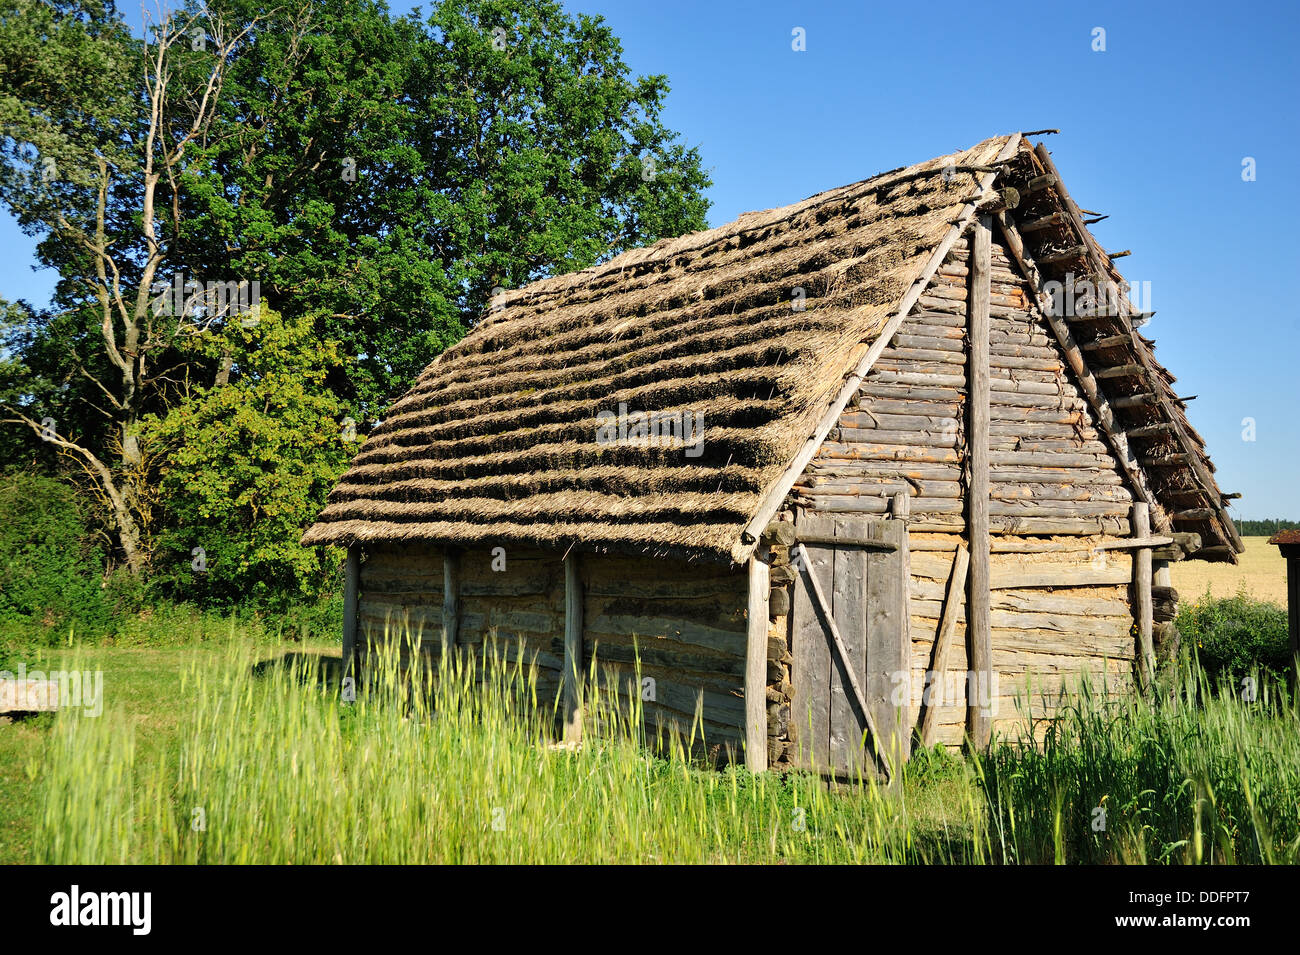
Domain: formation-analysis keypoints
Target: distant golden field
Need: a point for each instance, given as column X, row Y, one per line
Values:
column 1261, row 574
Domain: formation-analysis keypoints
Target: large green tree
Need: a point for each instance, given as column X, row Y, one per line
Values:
column 378, row 176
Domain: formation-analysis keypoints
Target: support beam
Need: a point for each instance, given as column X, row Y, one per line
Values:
column 1143, row 399
column 756, row 666
column 573, row 668
column 450, row 601
column 1143, row 611
column 979, row 721
column 947, row 627
column 1293, row 612
column 351, row 593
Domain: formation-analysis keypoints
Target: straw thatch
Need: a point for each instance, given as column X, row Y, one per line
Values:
column 496, row 443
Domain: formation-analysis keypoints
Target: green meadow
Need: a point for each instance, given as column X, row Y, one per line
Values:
column 231, row 747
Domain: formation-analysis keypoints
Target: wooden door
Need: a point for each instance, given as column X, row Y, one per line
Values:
column 861, row 567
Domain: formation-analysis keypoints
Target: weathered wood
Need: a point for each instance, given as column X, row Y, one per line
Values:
column 1044, row 222
column 1064, row 255
column 979, row 721
column 775, row 496
column 943, row 639
column 1088, row 381
column 854, row 542
column 1159, row 429
column 1166, row 404
column 756, row 667
column 450, row 600
column 1293, row 611
column 1108, row 341
column 1143, row 399
column 1142, row 540
column 888, row 642
column 823, row 608
column 810, row 710
column 847, row 605
column 574, row 668
column 1038, row 184
column 1142, row 594
column 351, row 596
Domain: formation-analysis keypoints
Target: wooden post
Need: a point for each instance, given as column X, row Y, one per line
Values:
column 573, row 668
column 450, row 600
column 756, row 667
column 1293, row 609
column 1288, row 545
column 903, row 719
column 351, row 589
column 1142, row 610
column 979, row 719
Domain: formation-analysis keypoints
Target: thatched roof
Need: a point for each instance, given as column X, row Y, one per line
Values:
column 496, row 444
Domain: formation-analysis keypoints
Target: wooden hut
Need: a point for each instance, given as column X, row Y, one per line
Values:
column 940, row 464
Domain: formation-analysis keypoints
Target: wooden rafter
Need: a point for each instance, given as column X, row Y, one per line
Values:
column 1101, row 265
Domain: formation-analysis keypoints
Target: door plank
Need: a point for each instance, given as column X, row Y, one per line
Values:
column 810, row 647
column 848, row 596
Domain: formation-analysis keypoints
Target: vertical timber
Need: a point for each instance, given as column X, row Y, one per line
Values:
column 351, row 592
column 450, row 601
column 1143, row 610
column 756, row 667
column 979, row 721
column 573, row 668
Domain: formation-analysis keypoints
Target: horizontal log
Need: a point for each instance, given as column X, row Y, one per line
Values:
column 1120, row 371
column 1159, row 429
column 1107, row 341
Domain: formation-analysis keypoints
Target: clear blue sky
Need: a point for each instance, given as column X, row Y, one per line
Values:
column 1153, row 133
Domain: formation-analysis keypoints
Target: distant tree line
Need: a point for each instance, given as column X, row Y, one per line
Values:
column 1266, row 527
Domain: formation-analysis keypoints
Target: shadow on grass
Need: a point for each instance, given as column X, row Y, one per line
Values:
column 318, row 668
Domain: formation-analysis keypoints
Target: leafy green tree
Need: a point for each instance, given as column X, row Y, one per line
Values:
column 247, row 465
column 383, row 175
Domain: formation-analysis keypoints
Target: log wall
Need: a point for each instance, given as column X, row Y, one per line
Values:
column 1052, row 472
column 1061, row 607
column 686, row 622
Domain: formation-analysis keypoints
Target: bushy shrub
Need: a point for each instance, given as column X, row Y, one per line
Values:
column 1234, row 636
column 51, row 567
column 247, row 466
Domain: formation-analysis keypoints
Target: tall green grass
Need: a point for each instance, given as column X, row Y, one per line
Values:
column 454, row 766
column 1199, row 774
column 461, row 765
